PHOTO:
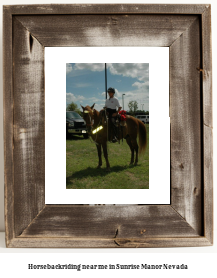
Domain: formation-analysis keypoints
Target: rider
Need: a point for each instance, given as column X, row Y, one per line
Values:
column 111, row 105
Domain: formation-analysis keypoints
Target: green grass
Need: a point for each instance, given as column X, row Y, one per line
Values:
column 82, row 160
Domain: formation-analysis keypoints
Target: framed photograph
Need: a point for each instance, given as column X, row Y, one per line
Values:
column 78, row 162
column 44, row 43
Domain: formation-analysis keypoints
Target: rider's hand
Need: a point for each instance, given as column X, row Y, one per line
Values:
column 114, row 114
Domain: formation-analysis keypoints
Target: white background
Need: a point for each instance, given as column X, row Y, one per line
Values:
column 202, row 260
column 159, row 127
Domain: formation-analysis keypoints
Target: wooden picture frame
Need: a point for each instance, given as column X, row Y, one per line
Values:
column 186, row 30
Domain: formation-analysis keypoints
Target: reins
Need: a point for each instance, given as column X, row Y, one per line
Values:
column 91, row 124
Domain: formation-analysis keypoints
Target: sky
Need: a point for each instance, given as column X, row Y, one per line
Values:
column 85, row 84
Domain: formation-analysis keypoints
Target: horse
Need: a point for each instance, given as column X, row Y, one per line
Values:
column 133, row 128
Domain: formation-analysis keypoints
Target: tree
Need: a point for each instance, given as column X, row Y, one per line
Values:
column 140, row 111
column 133, row 106
column 73, row 107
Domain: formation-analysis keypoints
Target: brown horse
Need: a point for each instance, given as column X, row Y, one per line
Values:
column 132, row 128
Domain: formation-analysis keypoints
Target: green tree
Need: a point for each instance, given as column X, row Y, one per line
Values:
column 140, row 111
column 73, row 107
column 133, row 106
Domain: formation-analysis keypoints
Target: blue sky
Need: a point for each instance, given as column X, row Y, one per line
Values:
column 85, row 83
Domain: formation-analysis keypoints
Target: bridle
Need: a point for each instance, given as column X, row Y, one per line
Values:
column 91, row 125
column 90, row 118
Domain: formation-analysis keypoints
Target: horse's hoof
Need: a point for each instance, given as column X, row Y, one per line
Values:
column 98, row 167
column 135, row 164
column 131, row 163
column 108, row 170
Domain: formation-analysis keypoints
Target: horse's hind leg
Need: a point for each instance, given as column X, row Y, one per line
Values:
column 131, row 148
column 136, row 148
column 99, row 155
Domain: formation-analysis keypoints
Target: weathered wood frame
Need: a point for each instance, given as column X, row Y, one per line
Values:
column 188, row 220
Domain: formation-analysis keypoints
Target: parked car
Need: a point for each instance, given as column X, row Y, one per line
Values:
column 75, row 124
column 143, row 118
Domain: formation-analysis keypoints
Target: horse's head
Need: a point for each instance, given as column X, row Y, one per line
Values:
column 88, row 116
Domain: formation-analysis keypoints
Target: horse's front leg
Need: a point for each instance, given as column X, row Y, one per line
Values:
column 104, row 146
column 99, row 150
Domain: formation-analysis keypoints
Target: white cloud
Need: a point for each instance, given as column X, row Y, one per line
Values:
column 117, row 94
column 99, row 106
column 71, row 97
column 139, row 84
column 68, row 68
column 92, row 67
column 134, row 70
column 94, row 99
column 99, row 102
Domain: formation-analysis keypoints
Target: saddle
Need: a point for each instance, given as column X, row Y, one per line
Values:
column 116, row 126
column 116, row 120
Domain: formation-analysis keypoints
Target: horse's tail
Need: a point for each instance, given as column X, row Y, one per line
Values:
column 142, row 137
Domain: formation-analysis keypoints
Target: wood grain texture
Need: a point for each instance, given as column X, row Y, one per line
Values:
column 8, row 126
column 207, row 119
column 109, row 221
column 29, row 223
column 29, row 131
column 185, row 113
column 208, row 183
column 106, row 9
column 207, row 123
column 207, row 67
column 107, row 30
column 108, row 242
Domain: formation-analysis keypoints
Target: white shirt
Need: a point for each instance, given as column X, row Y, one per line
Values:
column 112, row 103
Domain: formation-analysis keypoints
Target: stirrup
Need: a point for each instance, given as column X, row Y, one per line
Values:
column 114, row 140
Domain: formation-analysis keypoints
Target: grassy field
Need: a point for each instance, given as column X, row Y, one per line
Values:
column 82, row 160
